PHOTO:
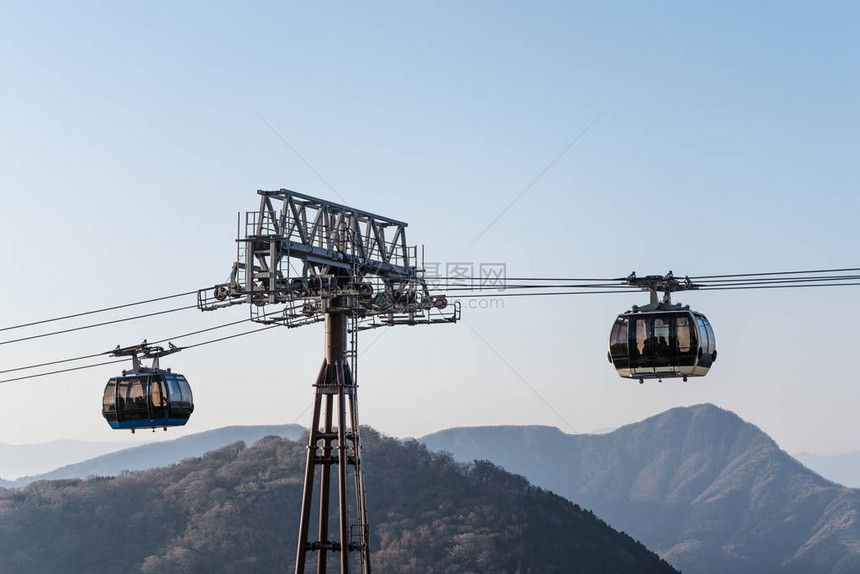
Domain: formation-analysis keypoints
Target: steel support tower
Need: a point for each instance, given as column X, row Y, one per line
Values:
column 334, row 429
column 357, row 272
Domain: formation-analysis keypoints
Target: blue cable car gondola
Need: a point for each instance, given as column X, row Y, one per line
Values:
column 661, row 340
column 147, row 397
column 147, row 400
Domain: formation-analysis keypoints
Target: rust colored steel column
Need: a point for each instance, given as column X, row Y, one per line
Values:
column 308, row 489
column 325, row 474
column 341, row 468
column 334, row 382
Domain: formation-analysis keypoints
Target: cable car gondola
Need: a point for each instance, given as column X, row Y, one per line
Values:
column 661, row 340
column 147, row 397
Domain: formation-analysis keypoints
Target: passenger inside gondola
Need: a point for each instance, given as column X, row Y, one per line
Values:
column 674, row 343
column 660, row 342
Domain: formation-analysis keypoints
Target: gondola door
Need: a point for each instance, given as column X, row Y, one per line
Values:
column 157, row 400
column 641, row 350
column 132, row 398
column 662, row 337
column 653, row 345
column 686, row 342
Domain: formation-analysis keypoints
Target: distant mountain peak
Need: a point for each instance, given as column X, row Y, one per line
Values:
column 710, row 491
column 702, row 412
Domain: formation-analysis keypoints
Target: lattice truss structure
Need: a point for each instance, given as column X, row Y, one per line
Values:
column 301, row 253
column 304, row 260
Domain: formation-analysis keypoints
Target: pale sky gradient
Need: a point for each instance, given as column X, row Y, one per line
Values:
column 130, row 136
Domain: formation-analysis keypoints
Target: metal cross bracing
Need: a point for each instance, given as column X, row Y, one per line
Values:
column 342, row 253
column 303, row 260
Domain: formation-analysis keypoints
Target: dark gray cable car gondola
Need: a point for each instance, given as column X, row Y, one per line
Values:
column 661, row 339
column 147, row 397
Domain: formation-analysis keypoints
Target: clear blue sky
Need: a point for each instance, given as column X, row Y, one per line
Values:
column 131, row 134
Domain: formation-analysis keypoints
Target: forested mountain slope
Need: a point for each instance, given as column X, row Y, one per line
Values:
column 156, row 454
column 235, row 510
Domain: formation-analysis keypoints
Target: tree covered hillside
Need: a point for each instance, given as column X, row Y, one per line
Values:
column 235, row 510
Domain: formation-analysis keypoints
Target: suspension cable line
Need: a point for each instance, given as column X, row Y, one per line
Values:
column 49, row 363
column 528, row 287
column 798, row 286
column 21, row 378
column 108, row 352
column 84, row 313
column 845, row 270
column 31, row 337
column 771, row 280
column 800, row 282
column 218, row 340
column 493, row 295
column 475, row 293
column 615, row 280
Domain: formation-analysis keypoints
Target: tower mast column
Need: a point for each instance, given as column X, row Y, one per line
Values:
column 357, row 272
column 334, row 380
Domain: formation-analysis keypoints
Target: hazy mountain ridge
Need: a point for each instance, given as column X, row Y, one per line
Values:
column 18, row 460
column 235, row 510
column 708, row 491
column 701, row 486
column 163, row 453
